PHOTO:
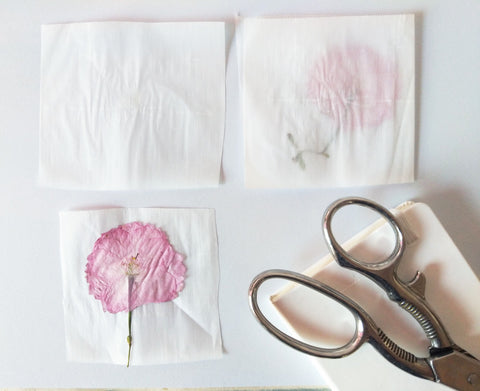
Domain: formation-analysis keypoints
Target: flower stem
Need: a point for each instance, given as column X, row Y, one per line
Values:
column 298, row 158
column 129, row 337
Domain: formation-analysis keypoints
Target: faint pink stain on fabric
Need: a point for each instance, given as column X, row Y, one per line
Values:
column 355, row 86
column 134, row 264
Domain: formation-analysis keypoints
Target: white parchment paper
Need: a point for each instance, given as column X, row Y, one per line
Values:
column 185, row 329
column 328, row 101
column 127, row 105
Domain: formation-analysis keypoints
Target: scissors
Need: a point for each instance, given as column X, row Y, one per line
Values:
column 446, row 363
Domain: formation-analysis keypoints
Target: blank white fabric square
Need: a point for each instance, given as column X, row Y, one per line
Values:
column 127, row 105
column 329, row 101
column 186, row 328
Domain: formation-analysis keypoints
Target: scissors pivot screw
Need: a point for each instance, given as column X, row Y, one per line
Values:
column 474, row 379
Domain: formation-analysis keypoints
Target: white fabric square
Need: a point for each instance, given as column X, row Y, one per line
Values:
column 328, row 101
column 127, row 105
column 185, row 329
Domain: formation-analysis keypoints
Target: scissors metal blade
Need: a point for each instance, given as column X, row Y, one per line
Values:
column 457, row 369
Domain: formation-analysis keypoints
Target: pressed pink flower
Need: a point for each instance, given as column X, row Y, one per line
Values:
column 355, row 86
column 131, row 265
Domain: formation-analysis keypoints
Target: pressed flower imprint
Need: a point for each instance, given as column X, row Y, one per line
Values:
column 131, row 265
column 353, row 87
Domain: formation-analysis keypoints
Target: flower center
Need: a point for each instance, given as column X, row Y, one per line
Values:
column 132, row 268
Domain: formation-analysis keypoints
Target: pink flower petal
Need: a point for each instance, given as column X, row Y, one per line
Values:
column 134, row 264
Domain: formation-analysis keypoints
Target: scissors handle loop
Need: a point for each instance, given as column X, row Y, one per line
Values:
column 384, row 273
column 365, row 328
column 338, row 352
column 343, row 256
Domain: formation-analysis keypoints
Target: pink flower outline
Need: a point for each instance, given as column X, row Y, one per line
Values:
column 131, row 265
column 353, row 85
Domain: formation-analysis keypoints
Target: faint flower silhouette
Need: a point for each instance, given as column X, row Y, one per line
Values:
column 131, row 265
column 355, row 87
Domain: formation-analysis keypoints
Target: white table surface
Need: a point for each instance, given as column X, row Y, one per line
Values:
column 257, row 229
